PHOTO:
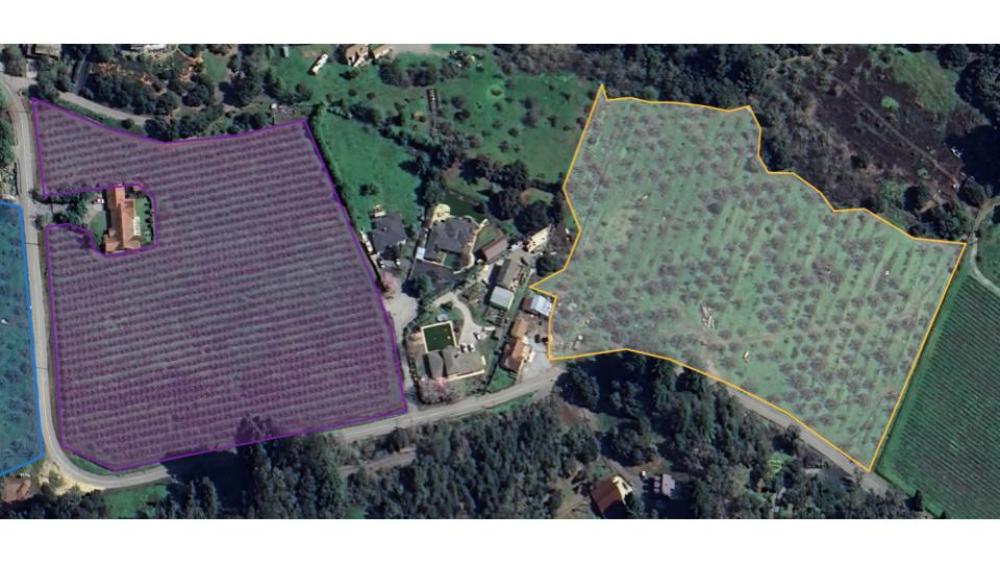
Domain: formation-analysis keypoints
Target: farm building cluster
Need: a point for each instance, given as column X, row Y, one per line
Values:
column 477, row 320
column 355, row 55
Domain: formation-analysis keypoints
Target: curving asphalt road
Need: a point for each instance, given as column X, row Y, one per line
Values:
column 24, row 154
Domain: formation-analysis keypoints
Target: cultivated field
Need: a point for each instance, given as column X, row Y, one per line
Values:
column 19, row 438
column 252, row 315
column 690, row 250
column 945, row 441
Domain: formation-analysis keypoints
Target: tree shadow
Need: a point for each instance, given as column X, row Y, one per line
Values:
column 979, row 149
column 227, row 470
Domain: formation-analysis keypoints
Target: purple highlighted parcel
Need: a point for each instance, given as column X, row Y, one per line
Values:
column 252, row 315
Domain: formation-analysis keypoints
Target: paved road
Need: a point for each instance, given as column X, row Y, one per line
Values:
column 540, row 387
column 24, row 153
column 870, row 480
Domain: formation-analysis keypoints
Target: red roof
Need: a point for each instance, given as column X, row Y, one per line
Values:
column 606, row 496
column 514, row 356
column 121, row 228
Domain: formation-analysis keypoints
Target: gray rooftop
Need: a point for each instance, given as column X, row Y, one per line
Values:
column 501, row 297
column 387, row 231
column 451, row 235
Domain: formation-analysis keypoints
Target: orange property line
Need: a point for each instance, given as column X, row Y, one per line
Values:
column 602, row 93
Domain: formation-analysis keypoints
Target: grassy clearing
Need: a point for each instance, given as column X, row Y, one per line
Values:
column 689, row 250
column 988, row 253
column 132, row 503
column 943, row 442
column 144, row 211
column 934, row 85
column 99, row 226
column 359, row 156
column 500, row 380
column 19, row 440
column 88, row 465
column 534, row 118
column 215, row 66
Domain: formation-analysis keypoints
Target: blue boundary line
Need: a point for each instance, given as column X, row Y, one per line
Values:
column 40, row 445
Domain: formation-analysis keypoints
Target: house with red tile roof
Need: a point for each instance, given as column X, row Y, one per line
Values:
column 121, row 233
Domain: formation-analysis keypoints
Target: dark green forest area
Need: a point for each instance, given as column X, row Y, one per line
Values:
column 515, row 464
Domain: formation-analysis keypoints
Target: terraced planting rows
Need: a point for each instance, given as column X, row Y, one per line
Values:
column 253, row 314
column 20, row 442
column 945, row 442
column 689, row 250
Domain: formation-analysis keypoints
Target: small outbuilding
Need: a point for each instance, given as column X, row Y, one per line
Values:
column 380, row 52
column 663, row 485
column 501, row 298
column 45, row 50
column 519, row 327
column 537, row 304
column 492, row 251
column 356, row 55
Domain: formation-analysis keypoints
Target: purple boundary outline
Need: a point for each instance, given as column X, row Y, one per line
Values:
column 328, row 179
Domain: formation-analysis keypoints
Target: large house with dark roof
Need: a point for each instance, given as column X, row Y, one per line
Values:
column 387, row 232
column 452, row 363
column 450, row 242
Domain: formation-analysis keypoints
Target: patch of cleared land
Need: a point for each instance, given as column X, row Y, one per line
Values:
column 689, row 250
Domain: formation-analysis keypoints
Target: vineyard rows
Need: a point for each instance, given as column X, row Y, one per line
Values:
column 944, row 442
column 252, row 315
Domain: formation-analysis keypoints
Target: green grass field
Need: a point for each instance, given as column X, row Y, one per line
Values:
column 689, row 250
column 500, row 380
column 934, row 85
column 132, row 503
column 531, row 117
column 215, row 66
column 18, row 417
column 358, row 156
column 944, row 441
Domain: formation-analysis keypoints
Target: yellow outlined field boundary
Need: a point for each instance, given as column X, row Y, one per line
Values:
column 602, row 94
